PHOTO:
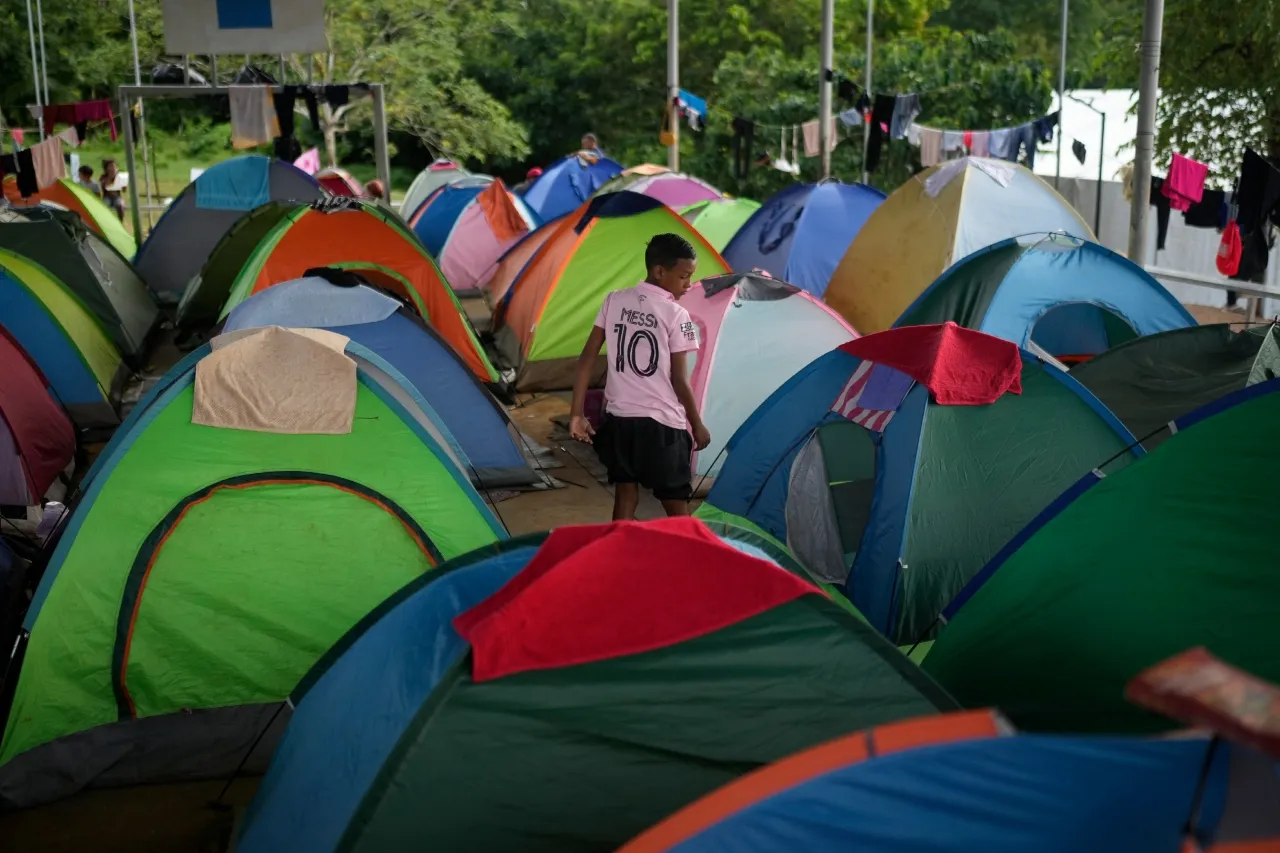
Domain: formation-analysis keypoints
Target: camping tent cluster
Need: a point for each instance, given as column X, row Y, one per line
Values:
column 975, row 486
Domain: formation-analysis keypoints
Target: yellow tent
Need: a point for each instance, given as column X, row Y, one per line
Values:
column 930, row 222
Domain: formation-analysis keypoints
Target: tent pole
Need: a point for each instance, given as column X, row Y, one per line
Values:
column 35, row 69
column 1144, row 143
column 673, row 82
column 866, row 125
column 1062, row 89
column 824, row 87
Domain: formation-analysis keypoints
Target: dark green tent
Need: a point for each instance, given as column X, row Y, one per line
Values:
column 1156, row 379
column 1124, row 571
column 99, row 276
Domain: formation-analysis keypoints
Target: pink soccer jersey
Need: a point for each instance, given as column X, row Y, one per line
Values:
column 643, row 326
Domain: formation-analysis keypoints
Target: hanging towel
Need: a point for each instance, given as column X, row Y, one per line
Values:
column 46, row 157
column 1185, row 184
column 913, row 135
column 851, row 118
column 905, row 110
column 501, row 212
column 85, row 111
column 812, row 143
column 1003, row 144
column 241, row 184
column 960, row 366
column 930, row 147
column 952, row 140
column 979, row 145
column 71, row 136
column 253, row 116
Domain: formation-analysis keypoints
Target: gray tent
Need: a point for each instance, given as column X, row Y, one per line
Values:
column 1155, row 379
column 89, row 266
column 180, row 243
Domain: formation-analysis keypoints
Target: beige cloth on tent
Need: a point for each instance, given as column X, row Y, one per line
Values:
column 253, row 116
column 273, row 379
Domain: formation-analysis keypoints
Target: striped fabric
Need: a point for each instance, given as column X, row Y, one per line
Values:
column 872, row 395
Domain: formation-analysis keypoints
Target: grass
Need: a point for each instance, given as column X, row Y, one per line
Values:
column 199, row 147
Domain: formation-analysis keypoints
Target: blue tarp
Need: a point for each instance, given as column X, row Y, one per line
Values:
column 800, row 234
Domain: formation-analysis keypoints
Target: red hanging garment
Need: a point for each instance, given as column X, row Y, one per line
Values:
column 1230, row 250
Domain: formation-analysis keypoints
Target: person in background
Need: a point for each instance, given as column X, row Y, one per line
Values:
column 112, row 191
column 85, row 179
column 530, row 176
column 590, row 150
column 649, row 412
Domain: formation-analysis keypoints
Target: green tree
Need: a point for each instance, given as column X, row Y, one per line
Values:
column 1219, row 79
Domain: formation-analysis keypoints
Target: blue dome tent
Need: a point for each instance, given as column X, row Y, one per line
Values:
column 800, row 234
column 1066, row 296
column 474, row 419
column 567, row 183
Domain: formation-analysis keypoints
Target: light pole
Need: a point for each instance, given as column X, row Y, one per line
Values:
column 866, row 126
column 824, row 86
column 1145, row 142
column 673, row 82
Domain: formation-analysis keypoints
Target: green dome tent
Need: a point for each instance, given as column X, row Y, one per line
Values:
column 719, row 219
column 1124, row 571
column 206, row 568
column 1155, row 379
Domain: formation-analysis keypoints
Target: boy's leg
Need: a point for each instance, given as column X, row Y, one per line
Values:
column 677, row 507
column 626, row 497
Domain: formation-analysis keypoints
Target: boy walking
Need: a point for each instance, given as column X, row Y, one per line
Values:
column 649, row 406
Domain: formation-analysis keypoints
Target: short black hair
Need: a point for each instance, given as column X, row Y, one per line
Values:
column 665, row 249
column 86, row 170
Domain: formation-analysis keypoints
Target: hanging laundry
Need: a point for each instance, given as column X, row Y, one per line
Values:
column 905, row 110
column 1003, row 144
column 336, row 96
column 1185, row 184
column 1078, row 149
column 852, row 118
column 1043, row 127
column 863, row 104
column 812, row 141
column 285, row 97
column 1160, row 202
column 1257, row 197
column 253, row 116
column 744, row 132
column 930, row 147
column 84, row 111
column 1026, row 137
column 1230, row 250
column 71, row 136
column 979, row 143
column 18, row 135
column 795, row 149
column 25, row 169
column 694, row 109
column 1210, row 211
column 881, row 117
column 46, row 157
column 781, row 164
column 846, row 90
column 952, row 140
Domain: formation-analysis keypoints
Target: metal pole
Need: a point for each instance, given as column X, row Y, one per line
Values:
column 1102, row 149
column 35, row 69
column 44, row 57
column 1144, row 143
column 381, row 158
column 673, row 81
column 866, row 126
column 280, row 77
column 131, row 163
column 1062, row 90
column 213, row 70
column 142, row 125
column 824, row 86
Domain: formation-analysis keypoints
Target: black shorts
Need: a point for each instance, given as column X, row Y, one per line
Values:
column 644, row 451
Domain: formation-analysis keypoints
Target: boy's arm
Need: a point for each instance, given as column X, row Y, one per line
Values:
column 684, row 393
column 579, row 426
